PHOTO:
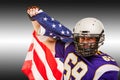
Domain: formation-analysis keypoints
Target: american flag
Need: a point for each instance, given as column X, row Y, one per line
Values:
column 40, row 63
column 53, row 28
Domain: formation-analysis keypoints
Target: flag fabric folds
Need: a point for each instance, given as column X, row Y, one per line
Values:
column 53, row 28
column 40, row 63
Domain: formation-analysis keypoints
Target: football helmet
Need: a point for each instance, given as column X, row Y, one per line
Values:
column 89, row 28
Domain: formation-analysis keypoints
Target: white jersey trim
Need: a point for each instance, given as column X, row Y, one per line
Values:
column 103, row 69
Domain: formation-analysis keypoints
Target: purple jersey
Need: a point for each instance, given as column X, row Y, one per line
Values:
column 98, row 67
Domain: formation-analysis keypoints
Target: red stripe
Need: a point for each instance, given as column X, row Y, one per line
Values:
column 31, row 47
column 40, row 66
column 26, row 69
column 50, row 59
column 52, row 63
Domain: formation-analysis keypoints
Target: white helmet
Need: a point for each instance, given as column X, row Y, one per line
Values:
column 93, row 25
column 88, row 27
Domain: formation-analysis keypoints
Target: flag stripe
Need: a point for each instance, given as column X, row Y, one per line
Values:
column 31, row 47
column 41, row 54
column 26, row 69
column 53, row 65
column 40, row 63
column 35, row 72
column 40, row 66
column 50, row 59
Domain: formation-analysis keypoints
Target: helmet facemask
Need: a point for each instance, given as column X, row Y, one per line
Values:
column 88, row 48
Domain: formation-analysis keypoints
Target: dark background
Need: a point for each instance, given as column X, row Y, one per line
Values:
column 16, row 28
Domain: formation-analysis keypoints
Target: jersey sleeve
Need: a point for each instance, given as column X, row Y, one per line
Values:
column 108, row 71
column 60, row 49
column 53, row 28
column 110, row 75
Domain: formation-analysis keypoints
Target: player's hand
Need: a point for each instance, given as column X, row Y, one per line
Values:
column 33, row 10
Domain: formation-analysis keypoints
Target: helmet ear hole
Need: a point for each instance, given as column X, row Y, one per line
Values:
column 102, row 38
column 101, row 41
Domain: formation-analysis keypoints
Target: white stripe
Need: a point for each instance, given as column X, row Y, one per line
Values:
column 35, row 72
column 60, row 65
column 103, row 69
column 41, row 55
column 29, row 55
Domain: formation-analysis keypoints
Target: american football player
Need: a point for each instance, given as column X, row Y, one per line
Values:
column 79, row 51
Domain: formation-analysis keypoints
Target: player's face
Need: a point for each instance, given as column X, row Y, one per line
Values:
column 87, row 41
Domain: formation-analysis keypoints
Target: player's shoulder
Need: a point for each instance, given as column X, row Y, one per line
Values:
column 106, row 63
column 106, row 58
